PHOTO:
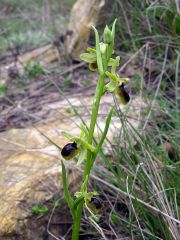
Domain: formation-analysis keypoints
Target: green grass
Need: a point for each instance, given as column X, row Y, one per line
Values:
column 140, row 21
column 32, row 23
column 3, row 88
column 142, row 175
column 39, row 209
column 143, row 171
column 32, row 70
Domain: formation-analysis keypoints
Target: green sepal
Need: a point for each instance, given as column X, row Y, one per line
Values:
column 112, row 76
column 107, row 36
column 115, row 81
column 112, row 60
column 88, row 57
column 103, row 48
column 114, row 63
column 113, row 84
column 83, row 196
column 98, row 52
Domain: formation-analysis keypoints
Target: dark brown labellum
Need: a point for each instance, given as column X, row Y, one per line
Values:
column 95, row 205
column 93, row 66
column 96, row 202
column 69, row 151
column 123, row 95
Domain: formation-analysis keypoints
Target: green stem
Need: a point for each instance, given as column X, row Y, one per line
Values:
column 90, row 158
column 77, row 221
column 95, row 109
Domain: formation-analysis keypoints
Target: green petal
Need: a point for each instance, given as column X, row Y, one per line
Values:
column 91, row 50
column 113, row 77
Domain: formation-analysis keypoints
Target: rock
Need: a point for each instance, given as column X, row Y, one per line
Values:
column 45, row 56
column 84, row 14
column 30, row 165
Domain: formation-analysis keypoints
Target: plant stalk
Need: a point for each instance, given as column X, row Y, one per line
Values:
column 95, row 109
column 77, row 222
column 90, row 158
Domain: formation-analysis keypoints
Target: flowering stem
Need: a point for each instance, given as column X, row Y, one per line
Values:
column 95, row 109
column 101, row 58
column 90, row 155
column 77, row 221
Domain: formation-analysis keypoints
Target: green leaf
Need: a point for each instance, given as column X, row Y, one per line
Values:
column 82, row 156
column 53, row 143
column 37, row 209
column 67, row 194
column 113, row 31
column 111, row 45
column 108, row 120
column 78, row 201
column 3, row 88
column 84, row 185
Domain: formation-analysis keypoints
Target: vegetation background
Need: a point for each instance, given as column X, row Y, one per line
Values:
column 146, row 166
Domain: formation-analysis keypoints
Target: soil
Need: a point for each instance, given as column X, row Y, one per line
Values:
column 57, row 221
column 23, row 103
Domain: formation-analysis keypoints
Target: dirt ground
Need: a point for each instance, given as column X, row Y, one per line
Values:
column 23, row 102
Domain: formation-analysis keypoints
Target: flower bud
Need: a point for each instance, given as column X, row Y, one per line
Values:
column 107, row 35
column 95, row 205
column 69, row 151
column 123, row 95
column 103, row 47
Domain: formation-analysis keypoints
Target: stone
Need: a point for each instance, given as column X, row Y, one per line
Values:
column 30, row 166
column 84, row 14
column 45, row 56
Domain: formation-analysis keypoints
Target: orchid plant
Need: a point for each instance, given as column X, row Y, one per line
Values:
column 99, row 59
